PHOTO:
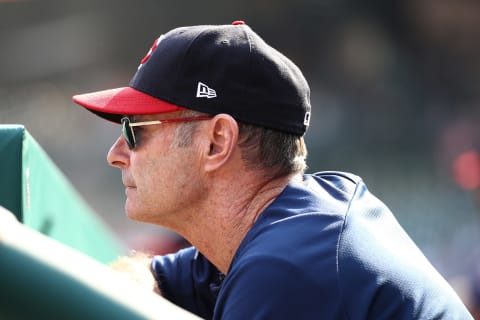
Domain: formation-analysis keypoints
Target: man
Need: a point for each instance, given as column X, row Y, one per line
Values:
column 212, row 148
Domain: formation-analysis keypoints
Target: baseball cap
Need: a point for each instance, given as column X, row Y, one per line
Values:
column 213, row 69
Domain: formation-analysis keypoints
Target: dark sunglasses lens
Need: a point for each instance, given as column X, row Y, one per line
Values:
column 127, row 132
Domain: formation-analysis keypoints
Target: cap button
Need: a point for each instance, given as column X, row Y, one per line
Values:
column 237, row 22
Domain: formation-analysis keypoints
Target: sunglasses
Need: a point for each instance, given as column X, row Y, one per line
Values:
column 128, row 127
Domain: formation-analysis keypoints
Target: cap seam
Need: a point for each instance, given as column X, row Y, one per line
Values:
column 250, row 49
column 182, row 66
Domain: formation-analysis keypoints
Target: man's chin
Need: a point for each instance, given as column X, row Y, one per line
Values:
column 137, row 215
column 132, row 212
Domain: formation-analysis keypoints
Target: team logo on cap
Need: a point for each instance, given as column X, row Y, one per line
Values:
column 203, row 91
column 149, row 53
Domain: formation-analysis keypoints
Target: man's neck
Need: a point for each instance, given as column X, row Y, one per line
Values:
column 224, row 222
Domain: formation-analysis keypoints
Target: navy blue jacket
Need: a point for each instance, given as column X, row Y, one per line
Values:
column 326, row 248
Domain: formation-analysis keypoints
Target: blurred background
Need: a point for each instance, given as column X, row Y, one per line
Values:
column 395, row 95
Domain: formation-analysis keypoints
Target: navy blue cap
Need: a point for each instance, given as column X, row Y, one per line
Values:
column 212, row 69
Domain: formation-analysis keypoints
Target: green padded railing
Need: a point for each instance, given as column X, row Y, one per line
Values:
column 42, row 198
column 41, row 278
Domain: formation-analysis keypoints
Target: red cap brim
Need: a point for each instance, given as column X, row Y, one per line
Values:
column 112, row 104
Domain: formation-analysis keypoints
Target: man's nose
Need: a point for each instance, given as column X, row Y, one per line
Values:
column 119, row 154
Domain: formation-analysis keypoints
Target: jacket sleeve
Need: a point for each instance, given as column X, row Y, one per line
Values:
column 189, row 280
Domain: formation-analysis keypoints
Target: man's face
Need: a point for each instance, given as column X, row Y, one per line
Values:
column 161, row 179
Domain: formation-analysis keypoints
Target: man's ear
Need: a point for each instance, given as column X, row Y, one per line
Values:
column 223, row 137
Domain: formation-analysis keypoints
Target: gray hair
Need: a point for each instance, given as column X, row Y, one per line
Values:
column 274, row 152
column 277, row 153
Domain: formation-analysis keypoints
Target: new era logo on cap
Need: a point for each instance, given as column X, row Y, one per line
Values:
column 203, row 91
